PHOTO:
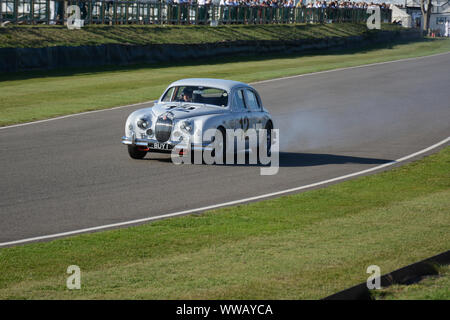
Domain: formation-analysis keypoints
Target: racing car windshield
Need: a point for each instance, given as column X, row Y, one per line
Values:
column 197, row 94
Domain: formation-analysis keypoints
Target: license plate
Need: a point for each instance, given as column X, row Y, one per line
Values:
column 160, row 146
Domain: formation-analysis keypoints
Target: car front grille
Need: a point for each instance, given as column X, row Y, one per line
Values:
column 163, row 128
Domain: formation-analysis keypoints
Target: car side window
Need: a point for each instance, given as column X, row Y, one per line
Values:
column 239, row 100
column 251, row 100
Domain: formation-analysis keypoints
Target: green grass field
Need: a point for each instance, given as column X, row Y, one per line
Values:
column 308, row 245
column 40, row 95
column 429, row 288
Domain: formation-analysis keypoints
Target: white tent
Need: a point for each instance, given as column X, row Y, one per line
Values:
column 399, row 15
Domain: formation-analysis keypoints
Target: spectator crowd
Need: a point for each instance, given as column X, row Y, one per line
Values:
column 186, row 11
column 286, row 4
column 346, row 4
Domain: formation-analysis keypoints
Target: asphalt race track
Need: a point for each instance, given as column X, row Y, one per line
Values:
column 73, row 173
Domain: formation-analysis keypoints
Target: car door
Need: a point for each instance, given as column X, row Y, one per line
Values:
column 255, row 114
column 241, row 112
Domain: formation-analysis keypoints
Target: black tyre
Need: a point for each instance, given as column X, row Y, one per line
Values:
column 135, row 153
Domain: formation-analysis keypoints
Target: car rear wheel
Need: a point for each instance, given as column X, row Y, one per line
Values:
column 135, row 152
column 268, row 142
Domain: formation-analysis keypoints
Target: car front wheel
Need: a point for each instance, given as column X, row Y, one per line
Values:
column 135, row 152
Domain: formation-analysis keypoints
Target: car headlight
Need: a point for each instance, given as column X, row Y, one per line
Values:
column 187, row 126
column 143, row 123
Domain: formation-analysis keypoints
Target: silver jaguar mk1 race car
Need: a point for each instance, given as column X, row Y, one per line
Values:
column 187, row 109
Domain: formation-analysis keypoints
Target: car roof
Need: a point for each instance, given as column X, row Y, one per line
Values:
column 227, row 85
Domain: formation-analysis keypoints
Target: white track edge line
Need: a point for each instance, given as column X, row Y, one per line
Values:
column 267, row 195
column 252, row 83
column 353, row 67
column 73, row 115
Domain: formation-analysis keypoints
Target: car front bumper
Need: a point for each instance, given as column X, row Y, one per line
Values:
column 174, row 145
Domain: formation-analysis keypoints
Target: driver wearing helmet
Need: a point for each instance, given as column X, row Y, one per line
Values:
column 186, row 95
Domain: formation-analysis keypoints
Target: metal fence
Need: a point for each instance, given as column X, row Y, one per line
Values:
column 151, row 12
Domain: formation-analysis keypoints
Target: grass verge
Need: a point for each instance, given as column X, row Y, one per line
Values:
column 46, row 36
column 40, row 95
column 307, row 245
column 429, row 288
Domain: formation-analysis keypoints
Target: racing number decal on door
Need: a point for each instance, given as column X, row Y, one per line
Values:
column 245, row 123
